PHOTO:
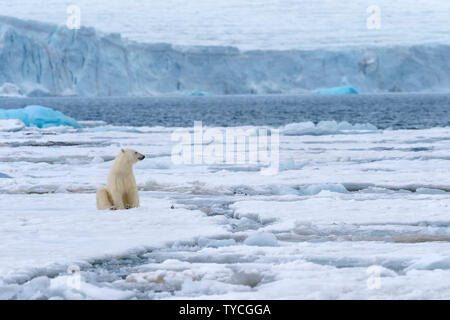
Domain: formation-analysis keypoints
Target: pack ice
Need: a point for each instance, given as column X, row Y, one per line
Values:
column 46, row 59
column 354, row 213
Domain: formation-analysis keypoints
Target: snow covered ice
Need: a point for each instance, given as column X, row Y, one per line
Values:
column 11, row 125
column 348, row 205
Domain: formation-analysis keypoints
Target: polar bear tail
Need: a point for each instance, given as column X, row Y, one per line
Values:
column 104, row 199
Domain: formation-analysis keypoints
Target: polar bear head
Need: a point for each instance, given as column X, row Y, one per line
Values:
column 130, row 156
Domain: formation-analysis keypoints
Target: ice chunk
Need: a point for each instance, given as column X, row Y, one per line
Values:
column 317, row 188
column 196, row 93
column 92, row 123
column 162, row 279
column 327, row 126
column 262, row 239
column 280, row 189
column 4, row 175
column 39, row 116
column 430, row 191
column 431, row 262
column 344, row 125
column 364, row 126
column 34, row 289
column 299, row 127
column 290, row 164
column 11, row 125
column 338, row 90
column 10, row 90
column 59, row 288
column 205, row 242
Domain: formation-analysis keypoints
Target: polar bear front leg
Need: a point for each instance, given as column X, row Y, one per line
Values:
column 117, row 198
column 132, row 199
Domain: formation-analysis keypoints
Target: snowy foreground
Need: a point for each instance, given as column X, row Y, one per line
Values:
column 352, row 214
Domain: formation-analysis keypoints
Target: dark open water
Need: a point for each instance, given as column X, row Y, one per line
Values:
column 398, row 111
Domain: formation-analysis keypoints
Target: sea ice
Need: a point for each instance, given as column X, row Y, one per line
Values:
column 2, row 175
column 324, row 128
column 205, row 242
column 360, row 203
column 262, row 239
column 289, row 164
column 11, row 125
column 317, row 188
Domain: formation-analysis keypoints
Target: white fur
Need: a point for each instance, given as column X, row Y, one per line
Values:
column 121, row 191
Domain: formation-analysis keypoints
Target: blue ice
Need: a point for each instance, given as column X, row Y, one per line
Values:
column 39, row 116
column 338, row 90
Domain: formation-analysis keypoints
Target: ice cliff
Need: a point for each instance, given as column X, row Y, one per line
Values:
column 45, row 59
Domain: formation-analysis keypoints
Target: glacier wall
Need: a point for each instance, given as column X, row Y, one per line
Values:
column 45, row 59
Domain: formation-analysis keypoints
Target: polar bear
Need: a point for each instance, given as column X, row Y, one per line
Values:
column 121, row 191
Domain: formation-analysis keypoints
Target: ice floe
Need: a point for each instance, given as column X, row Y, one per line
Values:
column 39, row 116
column 324, row 128
column 342, row 208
